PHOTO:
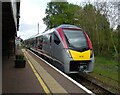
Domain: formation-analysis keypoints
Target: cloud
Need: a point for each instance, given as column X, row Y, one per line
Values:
column 28, row 30
column 26, row 27
column 31, row 13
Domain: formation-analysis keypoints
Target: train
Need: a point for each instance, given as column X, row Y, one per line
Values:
column 67, row 46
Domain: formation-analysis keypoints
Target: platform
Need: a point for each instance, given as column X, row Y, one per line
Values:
column 37, row 77
column 18, row 80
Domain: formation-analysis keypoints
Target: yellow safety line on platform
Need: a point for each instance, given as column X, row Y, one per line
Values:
column 38, row 77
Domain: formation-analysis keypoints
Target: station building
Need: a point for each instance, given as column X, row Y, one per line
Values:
column 10, row 25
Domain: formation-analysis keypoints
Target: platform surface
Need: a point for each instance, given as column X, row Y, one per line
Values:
column 18, row 80
column 36, row 77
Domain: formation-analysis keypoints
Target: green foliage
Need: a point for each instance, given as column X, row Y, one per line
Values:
column 20, row 57
column 59, row 13
column 106, row 70
column 97, row 26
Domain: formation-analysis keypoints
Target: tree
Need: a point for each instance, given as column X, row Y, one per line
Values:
column 93, row 19
column 110, row 10
column 59, row 13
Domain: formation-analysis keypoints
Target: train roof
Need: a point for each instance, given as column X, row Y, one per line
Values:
column 49, row 31
column 67, row 26
column 53, row 29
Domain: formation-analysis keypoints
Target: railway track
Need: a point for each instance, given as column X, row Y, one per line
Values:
column 91, row 83
column 88, row 81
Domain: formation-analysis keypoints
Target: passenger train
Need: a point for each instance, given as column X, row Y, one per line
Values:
column 67, row 46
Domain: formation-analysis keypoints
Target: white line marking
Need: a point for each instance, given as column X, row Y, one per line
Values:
column 78, row 84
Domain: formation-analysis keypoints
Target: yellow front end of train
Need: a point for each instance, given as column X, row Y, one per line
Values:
column 80, row 56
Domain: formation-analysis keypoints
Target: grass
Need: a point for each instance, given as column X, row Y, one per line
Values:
column 106, row 70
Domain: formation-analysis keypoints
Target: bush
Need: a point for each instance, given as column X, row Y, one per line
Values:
column 20, row 57
column 20, row 62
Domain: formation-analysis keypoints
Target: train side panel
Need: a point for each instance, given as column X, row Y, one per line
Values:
column 62, row 46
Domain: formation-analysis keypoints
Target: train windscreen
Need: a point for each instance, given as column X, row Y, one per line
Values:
column 75, row 39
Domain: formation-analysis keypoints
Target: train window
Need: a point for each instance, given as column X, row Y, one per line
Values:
column 50, row 38
column 46, row 38
column 75, row 38
column 56, row 39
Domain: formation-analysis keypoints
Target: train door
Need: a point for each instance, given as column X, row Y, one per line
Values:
column 56, row 51
column 56, row 47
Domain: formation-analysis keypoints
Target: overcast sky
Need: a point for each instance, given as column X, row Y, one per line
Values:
column 31, row 13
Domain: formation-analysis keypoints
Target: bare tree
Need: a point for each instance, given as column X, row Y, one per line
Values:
column 110, row 10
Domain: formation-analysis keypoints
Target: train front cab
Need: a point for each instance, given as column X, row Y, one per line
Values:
column 81, row 61
column 78, row 53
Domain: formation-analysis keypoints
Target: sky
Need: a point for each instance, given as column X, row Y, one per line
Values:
column 31, row 13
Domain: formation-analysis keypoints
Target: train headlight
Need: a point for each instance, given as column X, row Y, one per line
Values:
column 68, row 53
